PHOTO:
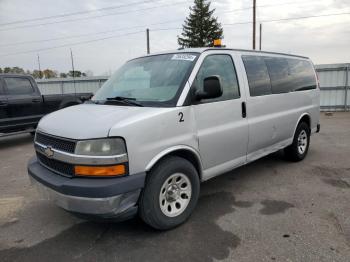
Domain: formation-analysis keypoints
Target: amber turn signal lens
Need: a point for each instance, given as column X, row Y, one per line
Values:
column 117, row 170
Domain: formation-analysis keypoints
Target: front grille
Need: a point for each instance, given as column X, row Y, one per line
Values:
column 64, row 169
column 62, row 144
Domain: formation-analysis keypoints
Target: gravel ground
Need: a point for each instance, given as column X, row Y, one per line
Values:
column 269, row 210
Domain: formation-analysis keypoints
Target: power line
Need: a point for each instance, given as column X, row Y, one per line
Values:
column 290, row 18
column 85, row 42
column 267, row 21
column 167, row 29
column 126, row 28
column 269, row 5
column 86, row 34
column 143, row 9
column 78, row 13
column 110, row 8
column 71, row 44
column 91, row 17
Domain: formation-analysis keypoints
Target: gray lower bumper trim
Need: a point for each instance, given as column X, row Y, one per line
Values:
column 104, row 207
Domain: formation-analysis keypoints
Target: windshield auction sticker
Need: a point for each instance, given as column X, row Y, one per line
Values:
column 185, row 57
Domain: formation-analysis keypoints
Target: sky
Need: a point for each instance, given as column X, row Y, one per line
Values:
column 103, row 40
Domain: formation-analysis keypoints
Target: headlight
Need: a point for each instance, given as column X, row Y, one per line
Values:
column 101, row 147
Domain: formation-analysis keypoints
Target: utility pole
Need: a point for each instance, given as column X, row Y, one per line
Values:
column 254, row 22
column 260, row 36
column 147, row 37
column 39, row 66
column 72, row 59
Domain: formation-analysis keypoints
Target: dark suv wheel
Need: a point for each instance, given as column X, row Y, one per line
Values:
column 170, row 194
column 300, row 146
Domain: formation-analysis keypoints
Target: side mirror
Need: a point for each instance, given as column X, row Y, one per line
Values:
column 211, row 88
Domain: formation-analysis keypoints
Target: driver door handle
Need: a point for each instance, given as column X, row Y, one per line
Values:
column 244, row 110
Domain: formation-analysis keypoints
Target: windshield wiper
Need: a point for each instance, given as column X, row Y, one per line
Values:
column 125, row 100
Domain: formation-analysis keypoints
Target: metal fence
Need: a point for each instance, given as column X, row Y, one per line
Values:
column 68, row 85
column 334, row 81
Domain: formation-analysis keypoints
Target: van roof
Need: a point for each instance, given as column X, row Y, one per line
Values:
column 204, row 49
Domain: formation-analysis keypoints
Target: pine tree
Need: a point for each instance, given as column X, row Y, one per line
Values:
column 200, row 28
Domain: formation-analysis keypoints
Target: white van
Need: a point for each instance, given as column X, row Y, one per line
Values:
column 165, row 122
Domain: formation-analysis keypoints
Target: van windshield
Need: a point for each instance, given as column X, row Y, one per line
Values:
column 150, row 81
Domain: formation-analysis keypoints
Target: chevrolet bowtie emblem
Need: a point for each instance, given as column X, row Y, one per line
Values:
column 49, row 152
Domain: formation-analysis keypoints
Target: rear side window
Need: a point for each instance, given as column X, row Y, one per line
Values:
column 281, row 79
column 302, row 74
column 221, row 65
column 289, row 75
column 18, row 86
column 258, row 76
column 276, row 75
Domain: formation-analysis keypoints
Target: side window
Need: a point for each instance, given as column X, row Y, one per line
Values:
column 221, row 65
column 1, row 88
column 303, row 75
column 18, row 86
column 258, row 76
column 279, row 74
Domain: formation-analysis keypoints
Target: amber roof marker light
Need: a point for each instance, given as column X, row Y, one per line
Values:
column 218, row 43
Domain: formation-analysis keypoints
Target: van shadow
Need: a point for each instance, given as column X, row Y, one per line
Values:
column 15, row 140
column 199, row 239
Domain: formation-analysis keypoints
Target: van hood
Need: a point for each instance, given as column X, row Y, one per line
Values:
column 92, row 121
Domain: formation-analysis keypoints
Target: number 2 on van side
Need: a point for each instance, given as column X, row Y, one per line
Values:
column 181, row 115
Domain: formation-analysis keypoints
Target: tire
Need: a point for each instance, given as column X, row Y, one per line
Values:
column 159, row 194
column 300, row 146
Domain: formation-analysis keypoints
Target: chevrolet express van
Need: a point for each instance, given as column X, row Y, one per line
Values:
column 165, row 122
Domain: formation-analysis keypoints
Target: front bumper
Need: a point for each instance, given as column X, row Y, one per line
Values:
column 100, row 197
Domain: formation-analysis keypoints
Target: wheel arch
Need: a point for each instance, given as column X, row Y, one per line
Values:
column 303, row 118
column 183, row 151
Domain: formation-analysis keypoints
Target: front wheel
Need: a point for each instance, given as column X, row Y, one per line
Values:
column 170, row 194
column 300, row 146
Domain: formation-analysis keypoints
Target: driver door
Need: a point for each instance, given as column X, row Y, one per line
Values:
column 222, row 129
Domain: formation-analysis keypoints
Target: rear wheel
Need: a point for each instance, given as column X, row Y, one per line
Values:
column 170, row 194
column 300, row 146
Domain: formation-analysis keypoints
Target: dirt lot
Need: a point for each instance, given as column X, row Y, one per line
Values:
column 270, row 210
